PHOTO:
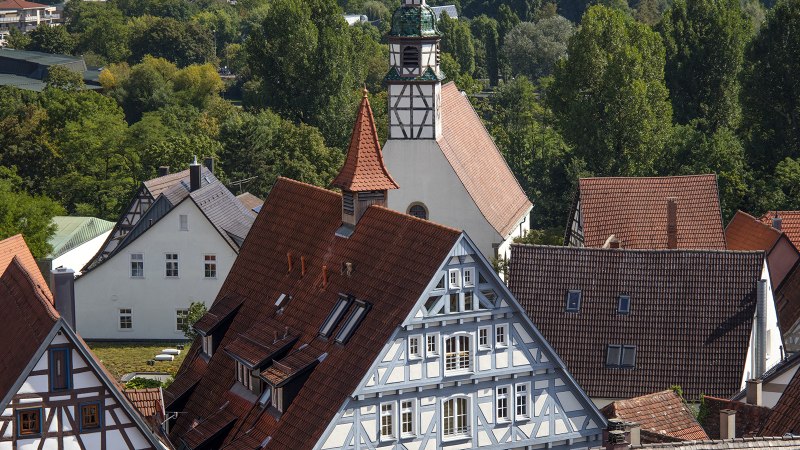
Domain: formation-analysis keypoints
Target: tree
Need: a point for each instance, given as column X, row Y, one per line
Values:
column 303, row 55
column 101, row 29
column 195, row 312
column 486, row 37
column 17, row 39
column 457, row 41
column 609, row 97
column 770, row 92
column 63, row 78
column 32, row 216
column 182, row 43
column 704, row 41
column 532, row 49
column 49, row 39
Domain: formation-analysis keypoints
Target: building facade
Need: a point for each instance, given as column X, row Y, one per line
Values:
column 448, row 168
column 24, row 16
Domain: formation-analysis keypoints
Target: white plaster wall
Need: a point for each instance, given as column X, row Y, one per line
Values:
column 154, row 299
column 774, row 341
column 520, row 229
column 425, row 175
column 76, row 258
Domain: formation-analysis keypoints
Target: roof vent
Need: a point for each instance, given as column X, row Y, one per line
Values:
column 777, row 221
column 163, row 171
column 612, row 242
column 347, row 269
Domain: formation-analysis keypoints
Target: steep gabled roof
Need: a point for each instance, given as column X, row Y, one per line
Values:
column 785, row 417
column 663, row 413
column 691, row 314
column 635, row 210
column 363, row 168
column 394, row 257
column 787, row 300
column 478, row 163
column 790, row 223
column 745, row 232
column 15, row 247
column 72, row 232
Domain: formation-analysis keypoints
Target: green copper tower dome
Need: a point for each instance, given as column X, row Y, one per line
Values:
column 414, row 21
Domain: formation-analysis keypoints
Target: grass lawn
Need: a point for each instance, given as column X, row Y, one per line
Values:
column 124, row 357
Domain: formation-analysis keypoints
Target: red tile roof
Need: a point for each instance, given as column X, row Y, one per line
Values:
column 15, row 247
column 20, row 4
column 149, row 402
column 393, row 256
column 363, row 169
column 691, row 314
column 787, row 300
column 635, row 210
column 790, row 223
column 745, row 232
column 662, row 413
column 749, row 418
column 478, row 163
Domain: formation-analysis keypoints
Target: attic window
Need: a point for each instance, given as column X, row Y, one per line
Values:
column 621, row 356
column 353, row 321
column 624, row 304
column 410, row 56
column 573, row 301
column 347, row 203
column 335, row 315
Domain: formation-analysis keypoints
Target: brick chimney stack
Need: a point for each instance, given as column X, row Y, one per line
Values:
column 727, row 424
column 672, row 223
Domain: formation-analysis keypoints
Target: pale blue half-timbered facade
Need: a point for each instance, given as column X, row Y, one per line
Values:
column 466, row 369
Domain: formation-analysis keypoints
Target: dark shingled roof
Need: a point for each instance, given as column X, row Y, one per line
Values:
column 690, row 318
column 635, row 210
column 394, row 257
column 785, row 417
column 749, row 418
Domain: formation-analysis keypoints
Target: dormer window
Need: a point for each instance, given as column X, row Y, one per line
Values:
column 469, row 277
column 624, row 304
column 243, row 375
column 455, row 278
column 573, row 301
column 410, row 56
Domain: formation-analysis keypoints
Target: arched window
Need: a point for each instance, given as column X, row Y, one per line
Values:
column 457, row 356
column 455, row 415
column 410, row 56
column 418, row 210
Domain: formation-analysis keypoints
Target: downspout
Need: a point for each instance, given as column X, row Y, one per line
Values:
column 760, row 344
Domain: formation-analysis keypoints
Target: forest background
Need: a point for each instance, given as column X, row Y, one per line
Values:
column 567, row 89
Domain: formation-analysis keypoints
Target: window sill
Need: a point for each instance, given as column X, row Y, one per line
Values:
column 137, row 278
column 125, row 329
column 484, row 349
column 414, row 357
column 456, row 437
column 455, row 373
column 29, row 436
column 521, row 419
column 209, row 278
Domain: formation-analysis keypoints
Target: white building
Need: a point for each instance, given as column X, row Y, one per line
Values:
column 177, row 250
column 77, row 240
column 54, row 394
column 24, row 16
column 448, row 168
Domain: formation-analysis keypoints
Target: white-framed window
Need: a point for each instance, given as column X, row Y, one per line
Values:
column 171, row 265
column 208, row 345
column 457, row 354
column 414, row 347
column 501, row 335
column 455, row 417
column 469, row 277
column 210, row 266
column 387, row 421
column 125, row 319
column 521, row 401
column 432, row 344
column 408, row 415
column 180, row 318
column 501, row 403
column 137, row 265
column 184, row 222
column 483, row 337
column 454, row 278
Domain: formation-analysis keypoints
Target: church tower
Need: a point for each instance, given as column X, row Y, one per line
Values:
column 364, row 179
column 414, row 78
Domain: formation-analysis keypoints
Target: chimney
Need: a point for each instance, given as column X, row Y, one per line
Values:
column 163, row 171
column 614, row 242
column 616, row 440
column 209, row 163
column 754, row 392
column 672, row 223
column 777, row 221
column 62, row 282
column 727, row 424
column 194, row 175
column 760, row 332
column 634, row 433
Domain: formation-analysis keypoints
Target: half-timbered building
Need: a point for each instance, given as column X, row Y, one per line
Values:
column 446, row 163
column 346, row 325
column 54, row 394
column 177, row 253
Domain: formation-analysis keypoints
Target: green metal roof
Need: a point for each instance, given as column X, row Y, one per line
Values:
column 414, row 21
column 72, row 232
column 47, row 59
column 428, row 75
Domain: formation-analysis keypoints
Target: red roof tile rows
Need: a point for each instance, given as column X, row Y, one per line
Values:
column 662, row 413
column 745, row 232
column 148, row 401
column 790, row 223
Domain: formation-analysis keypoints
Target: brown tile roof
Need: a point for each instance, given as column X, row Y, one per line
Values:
column 635, row 210
column 149, row 402
column 785, row 417
column 363, row 169
column 393, row 255
column 478, row 163
column 263, row 341
column 220, row 310
column 20, row 4
column 691, row 314
column 298, row 361
column 790, row 223
column 28, row 316
column 788, row 442
column 15, row 247
column 749, row 418
column 745, row 232
column 661, row 413
column 249, row 200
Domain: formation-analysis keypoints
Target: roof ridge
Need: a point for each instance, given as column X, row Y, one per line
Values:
column 698, row 175
column 639, row 250
column 409, row 216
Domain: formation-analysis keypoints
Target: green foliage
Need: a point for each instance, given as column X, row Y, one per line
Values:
column 63, row 78
column 487, row 48
column 703, row 410
column 142, row 383
column 609, row 96
column 533, row 49
column 704, row 41
column 47, row 39
column 101, row 29
column 196, row 311
column 548, row 236
column 457, row 40
column 21, row 213
column 17, row 39
column 182, row 43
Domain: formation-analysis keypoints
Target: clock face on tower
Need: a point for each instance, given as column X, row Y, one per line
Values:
column 413, row 110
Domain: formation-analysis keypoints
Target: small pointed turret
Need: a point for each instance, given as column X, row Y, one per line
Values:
column 364, row 179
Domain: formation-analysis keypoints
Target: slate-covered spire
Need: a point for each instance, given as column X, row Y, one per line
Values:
column 364, row 179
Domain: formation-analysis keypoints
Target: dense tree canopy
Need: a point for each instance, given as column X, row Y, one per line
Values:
column 532, row 49
column 21, row 213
